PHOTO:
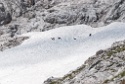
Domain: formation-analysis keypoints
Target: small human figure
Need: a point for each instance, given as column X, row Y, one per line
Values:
column 74, row 38
column 90, row 34
column 59, row 37
column 53, row 38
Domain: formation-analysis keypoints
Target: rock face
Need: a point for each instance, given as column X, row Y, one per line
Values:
column 95, row 13
column 106, row 67
column 5, row 16
column 42, row 15
column 6, row 43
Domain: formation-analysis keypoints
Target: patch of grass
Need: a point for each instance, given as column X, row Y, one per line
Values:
column 110, row 53
column 121, row 75
column 73, row 73
column 106, row 81
column 115, row 50
column 55, row 82
column 68, row 76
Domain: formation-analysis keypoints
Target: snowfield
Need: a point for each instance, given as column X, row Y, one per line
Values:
column 55, row 52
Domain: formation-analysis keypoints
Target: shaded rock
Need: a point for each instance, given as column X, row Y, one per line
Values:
column 5, row 17
column 11, row 42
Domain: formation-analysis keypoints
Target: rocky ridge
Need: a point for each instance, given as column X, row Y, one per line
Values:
column 55, row 13
column 106, row 67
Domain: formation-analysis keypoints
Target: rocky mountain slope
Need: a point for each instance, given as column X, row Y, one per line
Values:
column 22, row 16
column 106, row 67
